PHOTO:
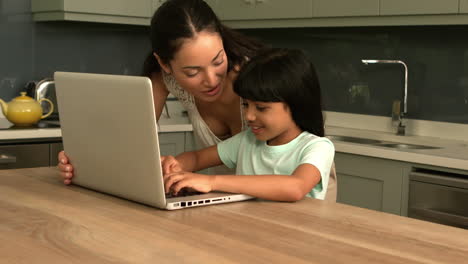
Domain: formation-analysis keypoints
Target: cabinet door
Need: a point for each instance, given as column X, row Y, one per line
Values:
column 370, row 182
column 276, row 9
column 171, row 143
column 55, row 148
column 214, row 4
column 418, row 7
column 155, row 4
column 264, row 9
column 339, row 8
column 24, row 156
column 463, row 6
column 136, row 8
column 237, row 9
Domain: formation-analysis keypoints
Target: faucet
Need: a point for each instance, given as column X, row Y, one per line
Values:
column 397, row 114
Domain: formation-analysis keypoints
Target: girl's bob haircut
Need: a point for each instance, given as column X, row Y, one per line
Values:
column 284, row 75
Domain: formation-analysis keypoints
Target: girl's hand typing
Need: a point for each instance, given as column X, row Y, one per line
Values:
column 170, row 164
column 174, row 182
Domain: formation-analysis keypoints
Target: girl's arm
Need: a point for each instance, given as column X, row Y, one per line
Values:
column 192, row 160
column 271, row 187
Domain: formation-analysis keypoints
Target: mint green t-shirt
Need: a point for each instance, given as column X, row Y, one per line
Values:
column 254, row 157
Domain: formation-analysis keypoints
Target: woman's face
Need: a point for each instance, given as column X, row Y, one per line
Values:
column 200, row 66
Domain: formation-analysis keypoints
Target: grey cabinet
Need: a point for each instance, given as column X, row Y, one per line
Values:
column 418, row 7
column 171, row 143
column 264, row 9
column 24, row 156
column 136, row 12
column 155, row 4
column 54, row 149
column 214, row 4
column 174, row 143
column 340, row 8
column 29, row 153
column 372, row 183
column 463, row 6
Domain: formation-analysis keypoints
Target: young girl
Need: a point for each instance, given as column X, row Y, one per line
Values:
column 284, row 155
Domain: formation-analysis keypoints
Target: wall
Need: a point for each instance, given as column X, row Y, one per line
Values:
column 33, row 51
column 437, row 57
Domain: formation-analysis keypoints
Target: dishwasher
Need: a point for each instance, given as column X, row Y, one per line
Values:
column 439, row 197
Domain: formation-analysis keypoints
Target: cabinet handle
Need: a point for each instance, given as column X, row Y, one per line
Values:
column 5, row 159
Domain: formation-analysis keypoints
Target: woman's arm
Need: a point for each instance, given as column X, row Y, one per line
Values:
column 160, row 93
column 271, row 187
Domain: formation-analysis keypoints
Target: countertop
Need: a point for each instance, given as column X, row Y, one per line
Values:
column 43, row 221
column 450, row 154
column 177, row 123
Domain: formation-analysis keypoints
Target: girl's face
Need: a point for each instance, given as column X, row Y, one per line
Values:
column 271, row 122
column 200, row 66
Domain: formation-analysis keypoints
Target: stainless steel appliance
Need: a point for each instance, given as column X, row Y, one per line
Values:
column 439, row 197
column 44, row 89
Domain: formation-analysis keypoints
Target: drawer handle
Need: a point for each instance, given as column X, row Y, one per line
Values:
column 6, row 159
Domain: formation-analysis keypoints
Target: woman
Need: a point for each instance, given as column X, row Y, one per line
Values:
column 195, row 58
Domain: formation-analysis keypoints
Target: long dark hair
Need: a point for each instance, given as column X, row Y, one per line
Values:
column 176, row 20
column 284, row 75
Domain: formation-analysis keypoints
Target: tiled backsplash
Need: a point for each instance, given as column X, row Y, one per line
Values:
column 436, row 58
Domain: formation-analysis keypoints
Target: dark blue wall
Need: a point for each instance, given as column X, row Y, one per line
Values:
column 437, row 57
column 35, row 50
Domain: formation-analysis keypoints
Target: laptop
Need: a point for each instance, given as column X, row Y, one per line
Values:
column 110, row 135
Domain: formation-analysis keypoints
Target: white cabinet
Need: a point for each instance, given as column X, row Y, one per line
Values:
column 264, row 9
column 105, row 11
column 340, row 8
column 418, row 7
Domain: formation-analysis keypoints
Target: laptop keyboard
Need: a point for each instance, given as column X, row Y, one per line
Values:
column 183, row 193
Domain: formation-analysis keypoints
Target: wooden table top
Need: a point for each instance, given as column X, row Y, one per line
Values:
column 42, row 221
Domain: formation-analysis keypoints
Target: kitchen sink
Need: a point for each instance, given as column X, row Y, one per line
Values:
column 378, row 143
column 406, row 146
column 354, row 139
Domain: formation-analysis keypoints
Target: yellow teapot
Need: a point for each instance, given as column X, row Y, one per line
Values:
column 24, row 110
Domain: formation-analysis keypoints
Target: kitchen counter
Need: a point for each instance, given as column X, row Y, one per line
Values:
column 450, row 154
column 177, row 123
column 42, row 221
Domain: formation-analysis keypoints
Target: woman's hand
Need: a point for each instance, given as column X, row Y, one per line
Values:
column 174, row 182
column 66, row 169
column 170, row 164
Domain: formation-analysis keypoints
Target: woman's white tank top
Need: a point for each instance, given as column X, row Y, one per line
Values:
column 204, row 137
